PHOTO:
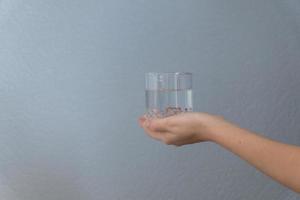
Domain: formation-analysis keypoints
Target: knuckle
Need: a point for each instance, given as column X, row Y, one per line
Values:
column 155, row 126
column 152, row 126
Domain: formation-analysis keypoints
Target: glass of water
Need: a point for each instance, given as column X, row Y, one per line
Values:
column 168, row 93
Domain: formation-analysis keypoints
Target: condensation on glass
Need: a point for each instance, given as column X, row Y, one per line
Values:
column 168, row 93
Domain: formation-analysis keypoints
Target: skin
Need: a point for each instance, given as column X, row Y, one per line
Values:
column 277, row 160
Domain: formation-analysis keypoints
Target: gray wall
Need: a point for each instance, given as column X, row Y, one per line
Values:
column 72, row 88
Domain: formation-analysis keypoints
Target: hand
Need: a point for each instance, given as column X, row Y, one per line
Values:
column 193, row 127
column 183, row 128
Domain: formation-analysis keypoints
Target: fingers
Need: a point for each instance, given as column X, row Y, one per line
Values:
column 172, row 130
column 142, row 119
column 158, row 124
column 155, row 135
column 155, row 124
column 158, row 129
column 155, row 128
column 164, row 137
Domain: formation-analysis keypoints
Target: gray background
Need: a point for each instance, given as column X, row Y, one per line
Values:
column 72, row 88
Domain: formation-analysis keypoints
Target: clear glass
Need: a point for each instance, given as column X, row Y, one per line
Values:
column 168, row 93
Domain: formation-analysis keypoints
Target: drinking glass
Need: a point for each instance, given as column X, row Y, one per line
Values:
column 168, row 93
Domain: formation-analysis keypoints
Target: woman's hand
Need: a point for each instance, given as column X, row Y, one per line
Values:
column 183, row 128
column 277, row 160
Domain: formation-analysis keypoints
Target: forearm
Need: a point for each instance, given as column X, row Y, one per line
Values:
column 277, row 160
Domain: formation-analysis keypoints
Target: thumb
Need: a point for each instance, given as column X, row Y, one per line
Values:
column 158, row 124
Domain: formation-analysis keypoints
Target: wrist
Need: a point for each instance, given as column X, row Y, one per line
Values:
column 204, row 129
column 211, row 127
column 222, row 131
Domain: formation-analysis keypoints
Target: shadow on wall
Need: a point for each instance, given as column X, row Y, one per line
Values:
column 40, row 181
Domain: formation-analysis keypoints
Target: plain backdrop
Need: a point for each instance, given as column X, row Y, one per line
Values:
column 72, row 89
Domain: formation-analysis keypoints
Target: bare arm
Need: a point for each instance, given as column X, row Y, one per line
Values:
column 277, row 160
